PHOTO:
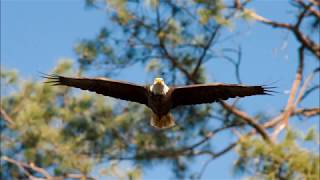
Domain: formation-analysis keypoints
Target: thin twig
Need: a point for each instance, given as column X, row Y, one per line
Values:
column 205, row 50
column 310, row 91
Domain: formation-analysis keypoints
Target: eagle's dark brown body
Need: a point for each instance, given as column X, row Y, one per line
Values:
column 160, row 104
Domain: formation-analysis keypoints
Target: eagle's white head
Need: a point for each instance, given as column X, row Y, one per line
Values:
column 159, row 87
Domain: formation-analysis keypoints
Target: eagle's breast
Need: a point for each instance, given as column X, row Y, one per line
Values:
column 160, row 104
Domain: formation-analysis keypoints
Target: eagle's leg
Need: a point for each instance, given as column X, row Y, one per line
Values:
column 162, row 122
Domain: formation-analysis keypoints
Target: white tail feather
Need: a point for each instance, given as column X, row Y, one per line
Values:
column 163, row 122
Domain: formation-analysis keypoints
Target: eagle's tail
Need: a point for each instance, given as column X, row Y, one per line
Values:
column 163, row 122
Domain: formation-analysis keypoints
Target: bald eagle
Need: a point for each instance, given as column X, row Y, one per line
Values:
column 159, row 97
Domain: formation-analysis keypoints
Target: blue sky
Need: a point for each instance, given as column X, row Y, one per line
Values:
column 36, row 34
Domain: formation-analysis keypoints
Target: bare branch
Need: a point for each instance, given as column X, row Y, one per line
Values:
column 77, row 176
column 237, row 65
column 274, row 121
column 6, row 117
column 24, row 166
column 204, row 167
column 205, row 50
column 303, row 89
column 218, row 154
column 309, row 112
column 191, row 148
column 315, row 2
column 174, row 62
column 310, row 91
column 291, row 104
column 309, row 8
column 260, row 129
column 305, row 41
column 185, row 151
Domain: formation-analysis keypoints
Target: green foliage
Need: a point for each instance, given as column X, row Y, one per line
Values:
column 311, row 135
column 284, row 160
column 122, row 14
column 171, row 33
column 8, row 77
column 114, row 170
column 152, row 3
column 153, row 66
column 87, row 51
column 212, row 10
column 38, row 124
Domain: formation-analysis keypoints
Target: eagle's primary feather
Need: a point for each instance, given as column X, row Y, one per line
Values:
column 208, row 93
column 159, row 97
column 117, row 89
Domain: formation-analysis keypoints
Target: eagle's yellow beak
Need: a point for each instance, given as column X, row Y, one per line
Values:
column 158, row 81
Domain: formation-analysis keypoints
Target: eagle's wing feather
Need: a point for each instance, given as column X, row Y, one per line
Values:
column 107, row 87
column 208, row 93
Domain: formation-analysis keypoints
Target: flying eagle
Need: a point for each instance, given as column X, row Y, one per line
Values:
column 159, row 97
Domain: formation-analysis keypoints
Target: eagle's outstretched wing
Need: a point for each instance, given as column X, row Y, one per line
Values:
column 208, row 93
column 117, row 89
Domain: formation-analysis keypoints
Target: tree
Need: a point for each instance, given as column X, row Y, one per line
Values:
column 52, row 132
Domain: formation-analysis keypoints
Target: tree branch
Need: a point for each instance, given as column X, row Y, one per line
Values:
column 309, row 112
column 205, row 50
column 303, row 89
column 302, row 38
column 174, row 61
column 291, row 104
column 6, row 117
column 260, row 129
column 309, row 8
column 310, row 91
column 218, row 154
column 185, row 151
column 24, row 166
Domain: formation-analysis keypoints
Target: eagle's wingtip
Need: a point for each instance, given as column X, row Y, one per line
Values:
column 48, row 76
column 268, row 90
column 51, row 79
